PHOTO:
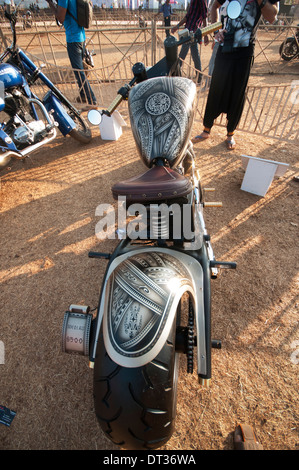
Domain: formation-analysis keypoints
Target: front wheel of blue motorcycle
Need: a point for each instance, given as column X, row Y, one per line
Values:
column 136, row 407
column 81, row 132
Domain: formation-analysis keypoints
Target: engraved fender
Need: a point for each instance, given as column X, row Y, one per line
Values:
column 139, row 300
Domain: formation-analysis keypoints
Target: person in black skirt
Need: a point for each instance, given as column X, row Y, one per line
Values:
column 233, row 62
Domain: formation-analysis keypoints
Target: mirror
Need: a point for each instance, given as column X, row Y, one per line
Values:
column 9, row 6
column 233, row 9
column 94, row 117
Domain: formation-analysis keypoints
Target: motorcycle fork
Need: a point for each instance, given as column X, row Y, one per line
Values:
column 36, row 72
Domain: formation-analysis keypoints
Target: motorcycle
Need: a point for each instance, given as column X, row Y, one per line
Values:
column 155, row 301
column 289, row 49
column 31, row 122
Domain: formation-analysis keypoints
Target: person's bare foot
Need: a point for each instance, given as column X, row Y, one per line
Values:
column 230, row 142
column 199, row 138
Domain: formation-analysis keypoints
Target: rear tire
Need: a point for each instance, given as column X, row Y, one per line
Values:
column 136, row 407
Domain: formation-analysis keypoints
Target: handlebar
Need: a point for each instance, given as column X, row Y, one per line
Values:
column 201, row 32
column 164, row 66
column 115, row 103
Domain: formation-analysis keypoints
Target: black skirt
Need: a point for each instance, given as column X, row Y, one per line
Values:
column 228, row 85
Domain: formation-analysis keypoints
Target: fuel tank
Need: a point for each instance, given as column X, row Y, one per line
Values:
column 161, row 114
column 10, row 76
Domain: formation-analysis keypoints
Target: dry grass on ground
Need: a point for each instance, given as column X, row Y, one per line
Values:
column 47, row 227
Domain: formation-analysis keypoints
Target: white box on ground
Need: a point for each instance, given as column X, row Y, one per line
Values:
column 259, row 174
column 111, row 126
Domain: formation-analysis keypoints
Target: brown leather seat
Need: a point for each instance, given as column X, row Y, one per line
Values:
column 157, row 184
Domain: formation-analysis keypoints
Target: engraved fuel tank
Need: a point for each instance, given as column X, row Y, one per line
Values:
column 161, row 114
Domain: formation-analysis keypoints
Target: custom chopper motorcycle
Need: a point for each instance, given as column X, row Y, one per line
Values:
column 26, row 122
column 155, row 299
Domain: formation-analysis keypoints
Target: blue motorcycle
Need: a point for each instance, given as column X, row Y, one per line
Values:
column 27, row 122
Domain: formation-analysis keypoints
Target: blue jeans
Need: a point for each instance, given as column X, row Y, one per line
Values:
column 76, row 53
column 194, row 54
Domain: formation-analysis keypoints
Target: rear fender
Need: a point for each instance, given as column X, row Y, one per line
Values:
column 139, row 300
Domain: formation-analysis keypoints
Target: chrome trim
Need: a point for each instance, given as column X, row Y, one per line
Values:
column 31, row 148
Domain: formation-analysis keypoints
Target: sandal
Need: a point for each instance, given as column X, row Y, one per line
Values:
column 230, row 142
column 245, row 438
column 199, row 138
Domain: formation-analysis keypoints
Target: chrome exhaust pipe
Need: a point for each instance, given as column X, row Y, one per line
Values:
column 24, row 153
column 20, row 155
column 44, row 111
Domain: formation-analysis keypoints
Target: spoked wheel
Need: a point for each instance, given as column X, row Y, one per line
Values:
column 289, row 49
column 82, row 132
column 136, row 407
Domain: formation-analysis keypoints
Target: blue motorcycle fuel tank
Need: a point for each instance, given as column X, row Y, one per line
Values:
column 10, row 76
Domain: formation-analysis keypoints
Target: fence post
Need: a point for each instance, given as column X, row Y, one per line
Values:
column 154, row 41
column 3, row 38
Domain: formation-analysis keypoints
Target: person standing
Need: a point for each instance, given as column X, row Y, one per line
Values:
column 215, row 45
column 166, row 9
column 195, row 18
column 233, row 63
column 75, row 39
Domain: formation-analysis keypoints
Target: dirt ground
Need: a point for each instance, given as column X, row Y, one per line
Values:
column 47, row 228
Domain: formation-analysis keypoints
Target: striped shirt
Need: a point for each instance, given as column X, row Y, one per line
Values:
column 197, row 12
